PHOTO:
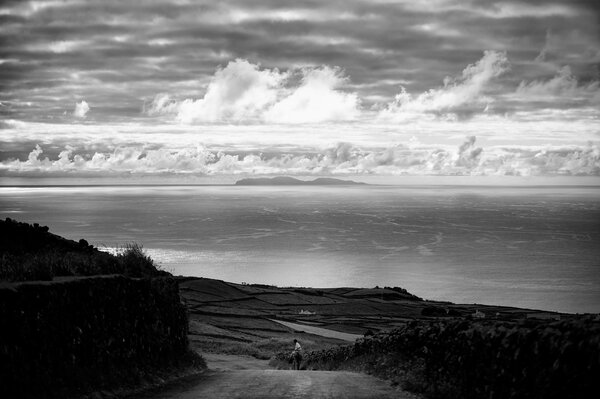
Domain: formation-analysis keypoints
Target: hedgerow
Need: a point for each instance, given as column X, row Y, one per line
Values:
column 478, row 359
column 89, row 333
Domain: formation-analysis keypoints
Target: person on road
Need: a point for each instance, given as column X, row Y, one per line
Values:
column 296, row 355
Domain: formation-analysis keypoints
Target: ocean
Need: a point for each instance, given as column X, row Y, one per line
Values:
column 531, row 247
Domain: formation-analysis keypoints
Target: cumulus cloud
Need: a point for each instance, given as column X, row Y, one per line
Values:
column 81, row 109
column 342, row 159
column 239, row 92
column 243, row 92
column 465, row 91
column 468, row 155
column 316, row 100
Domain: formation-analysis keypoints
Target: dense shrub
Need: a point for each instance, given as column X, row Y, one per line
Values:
column 434, row 311
column 94, row 331
column 484, row 359
column 404, row 293
column 135, row 262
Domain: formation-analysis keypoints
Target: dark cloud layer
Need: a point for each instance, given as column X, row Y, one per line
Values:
column 117, row 55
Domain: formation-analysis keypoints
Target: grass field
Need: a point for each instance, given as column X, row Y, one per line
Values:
column 237, row 319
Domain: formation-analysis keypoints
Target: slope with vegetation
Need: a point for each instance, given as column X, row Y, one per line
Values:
column 31, row 252
column 105, row 322
column 461, row 358
column 244, row 319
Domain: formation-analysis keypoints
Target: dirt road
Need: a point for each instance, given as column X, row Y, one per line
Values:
column 236, row 376
column 324, row 332
column 288, row 384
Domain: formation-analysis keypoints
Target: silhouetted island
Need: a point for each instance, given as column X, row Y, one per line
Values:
column 291, row 181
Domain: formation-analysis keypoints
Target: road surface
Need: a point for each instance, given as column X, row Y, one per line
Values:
column 324, row 332
column 288, row 384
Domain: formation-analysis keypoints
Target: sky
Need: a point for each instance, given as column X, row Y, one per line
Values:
column 371, row 88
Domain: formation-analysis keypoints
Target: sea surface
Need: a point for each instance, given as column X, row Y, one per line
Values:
column 532, row 247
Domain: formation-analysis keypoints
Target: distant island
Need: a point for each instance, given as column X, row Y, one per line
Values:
column 291, row 181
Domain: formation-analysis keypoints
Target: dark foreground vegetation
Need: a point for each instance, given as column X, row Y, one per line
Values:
column 30, row 252
column 121, row 329
column 80, row 334
column 477, row 359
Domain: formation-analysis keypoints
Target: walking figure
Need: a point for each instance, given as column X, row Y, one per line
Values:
column 296, row 355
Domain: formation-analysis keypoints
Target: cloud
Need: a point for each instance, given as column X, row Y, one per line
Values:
column 463, row 93
column 559, row 98
column 563, row 84
column 243, row 92
column 316, row 100
column 508, row 9
column 541, row 57
column 176, row 46
column 342, row 159
column 81, row 109
column 469, row 155
column 239, row 92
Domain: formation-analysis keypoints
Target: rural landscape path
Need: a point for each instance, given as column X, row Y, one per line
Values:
column 289, row 384
column 324, row 332
column 228, row 378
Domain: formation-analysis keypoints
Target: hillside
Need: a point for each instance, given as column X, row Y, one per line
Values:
column 31, row 252
column 98, row 322
column 430, row 347
column 261, row 320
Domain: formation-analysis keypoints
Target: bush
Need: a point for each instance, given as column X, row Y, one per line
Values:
column 135, row 262
column 485, row 359
column 434, row 311
column 18, row 268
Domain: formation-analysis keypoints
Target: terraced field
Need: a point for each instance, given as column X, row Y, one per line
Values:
column 238, row 319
